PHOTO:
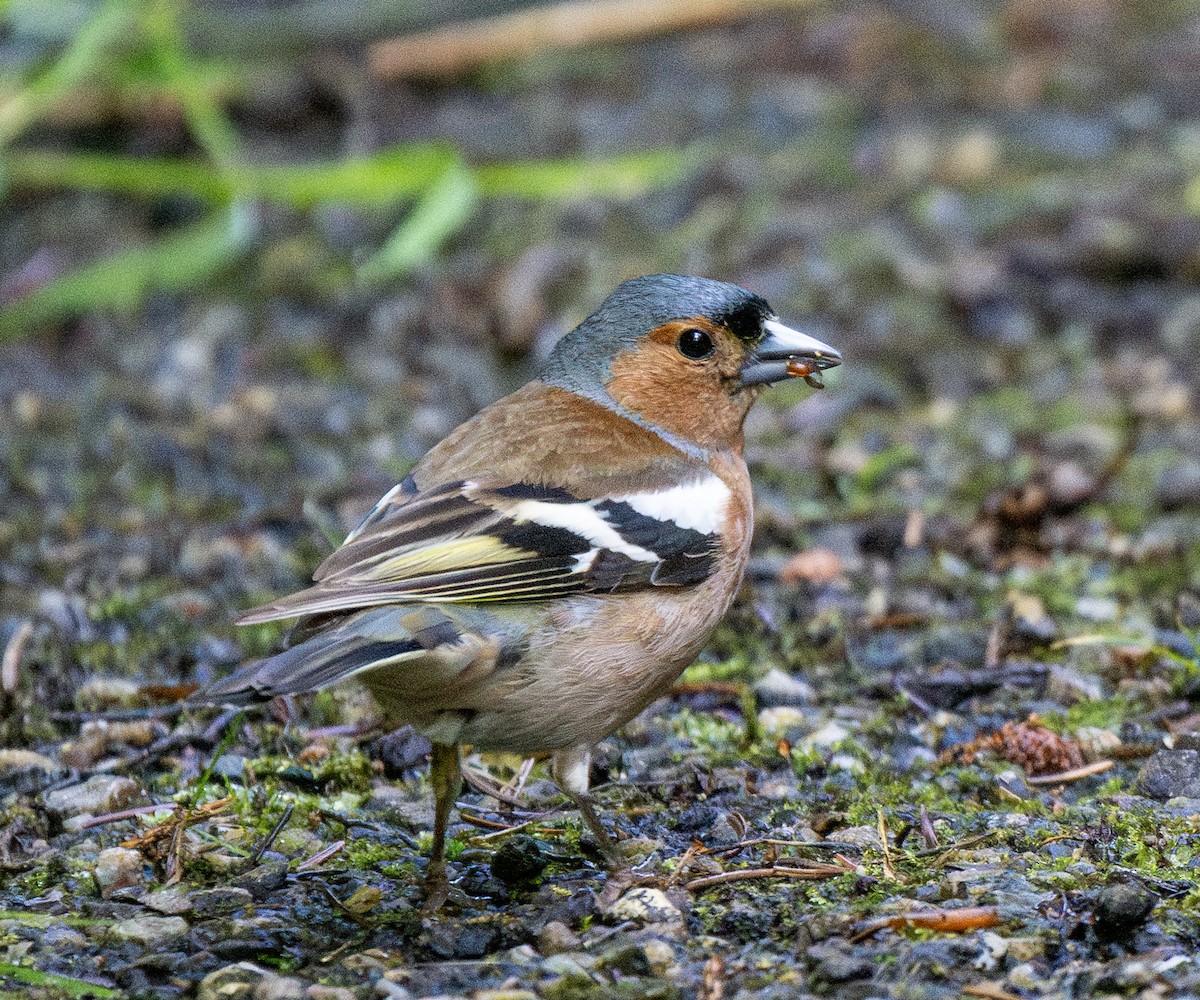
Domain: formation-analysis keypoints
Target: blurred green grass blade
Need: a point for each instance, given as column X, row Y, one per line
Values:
column 151, row 178
column 1191, row 196
column 206, row 117
column 379, row 179
column 615, row 177
column 59, row 985
column 180, row 261
column 442, row 211
column 84, row 56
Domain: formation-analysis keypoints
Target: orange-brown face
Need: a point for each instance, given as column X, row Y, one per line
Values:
column 684, row 377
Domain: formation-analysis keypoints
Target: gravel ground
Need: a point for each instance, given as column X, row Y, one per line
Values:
column 950, row 734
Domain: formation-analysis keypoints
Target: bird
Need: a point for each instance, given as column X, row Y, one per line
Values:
column 550, row 568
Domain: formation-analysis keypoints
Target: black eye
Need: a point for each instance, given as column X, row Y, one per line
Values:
column 695, row 344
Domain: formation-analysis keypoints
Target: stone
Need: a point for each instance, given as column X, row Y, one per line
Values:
column 233, row 982
column 660, row 956
column 172, row 902
column 402, row 752
column 556, row 938
column 1179, row 484
column 777, row 720
column 1121, row 908
column 267, row 878
column 645, row 905
column 837, row 965
column 14, row 760
column 1169, row 774
column 858, row 836
column 778, row 689
column 151, row 932
column 118, row 868
column 102, row 793
column 213, row 902
column 273, row 987
column 519, row 859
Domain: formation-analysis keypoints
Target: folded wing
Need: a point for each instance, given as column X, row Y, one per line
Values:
column 462, row 542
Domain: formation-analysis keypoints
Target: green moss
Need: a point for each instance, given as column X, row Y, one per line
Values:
column 1108, row 713
column 369, row 852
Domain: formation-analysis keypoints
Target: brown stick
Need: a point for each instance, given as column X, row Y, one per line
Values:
column 989, row 991
column 454, row 48
column 965, row 918
column 1075, row 774
column 815, row 873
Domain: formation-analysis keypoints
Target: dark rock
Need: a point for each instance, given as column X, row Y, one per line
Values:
column 402, row 752
column 210, row 902
column 1179, row 485
column 626, row 957
column 698, row 816
column 1171, row 773
column 1121, row 908
column 453, row 940
column 882, row 536
column 957, row 645
column 835, row 964
column 260, row 882
column 519, row 859
column 571, row 911
column 477, row 881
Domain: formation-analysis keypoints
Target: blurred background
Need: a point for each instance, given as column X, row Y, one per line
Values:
column 256, row 257
column 252, row 253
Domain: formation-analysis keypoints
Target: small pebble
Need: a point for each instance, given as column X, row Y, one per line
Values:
column 118, row 868
column 646, row 906
column 151, row 932
column 273, row 987
column 213, row 902
column 556, row 938
column 1122, row 908
column 518, row 859
column 1170, row 774
column 103, row 793
column 778, row 689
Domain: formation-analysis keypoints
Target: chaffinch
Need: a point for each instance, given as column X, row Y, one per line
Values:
column 550, row 568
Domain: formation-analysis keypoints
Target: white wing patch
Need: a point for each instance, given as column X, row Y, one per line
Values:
column 699, row 505
column 584, row 520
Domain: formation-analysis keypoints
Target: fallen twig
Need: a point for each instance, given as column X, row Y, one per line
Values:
column 965, row 918
column 10, row 663
column 453, row 48
column 321, row 856
column 888, row 870
column 814, row 873
column 276, row 830
column 131, row 813
column 547, row 831
column 989, row 991
column 182, row 819
column 1075, row 774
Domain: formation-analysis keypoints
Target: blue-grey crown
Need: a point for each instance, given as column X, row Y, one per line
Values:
column 581, row 361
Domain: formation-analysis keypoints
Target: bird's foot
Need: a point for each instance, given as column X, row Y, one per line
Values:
column 436, row 888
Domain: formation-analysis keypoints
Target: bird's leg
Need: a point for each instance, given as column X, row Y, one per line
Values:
column 570, row 768
column 445, row 776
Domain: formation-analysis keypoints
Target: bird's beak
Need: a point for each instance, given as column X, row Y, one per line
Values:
column 785, row 353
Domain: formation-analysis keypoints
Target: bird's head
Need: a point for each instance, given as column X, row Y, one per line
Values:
column 686, row 356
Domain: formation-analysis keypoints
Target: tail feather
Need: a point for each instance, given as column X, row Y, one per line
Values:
column 445, row 641
column 320, row 662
